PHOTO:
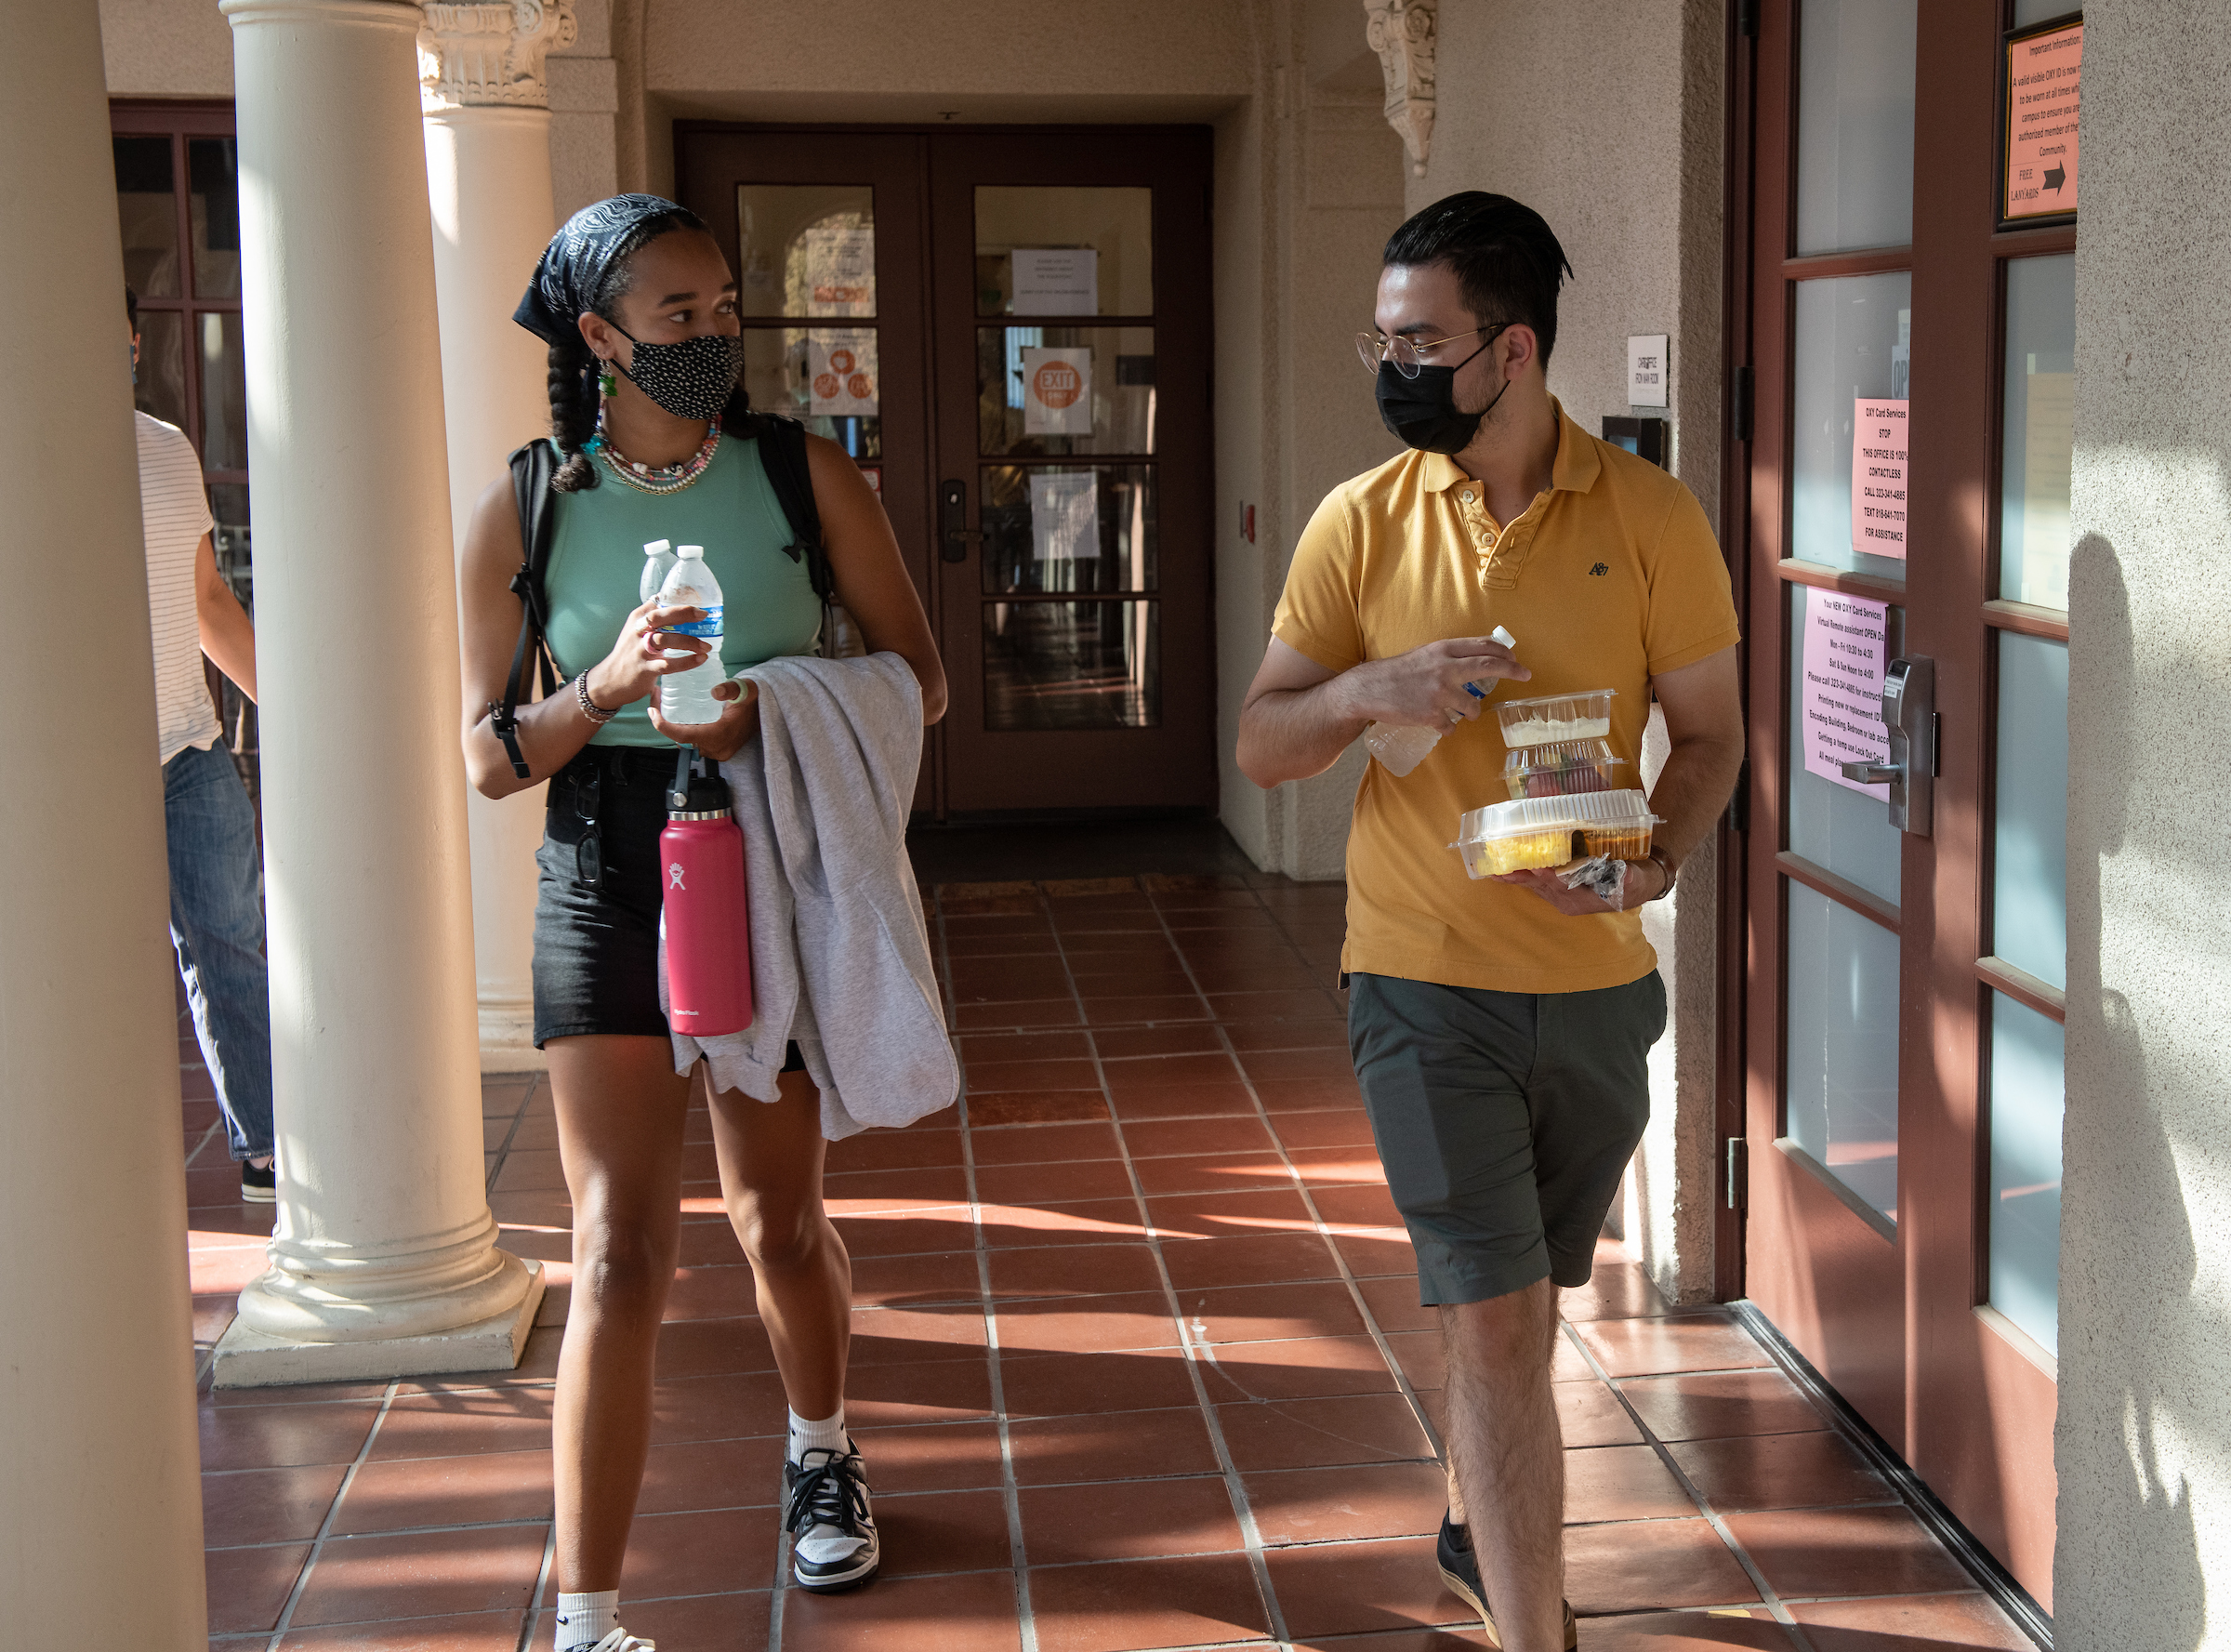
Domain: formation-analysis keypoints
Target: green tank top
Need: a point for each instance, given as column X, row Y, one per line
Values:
column 596, row 563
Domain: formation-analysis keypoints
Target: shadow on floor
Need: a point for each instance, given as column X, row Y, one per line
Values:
column 1039, row 850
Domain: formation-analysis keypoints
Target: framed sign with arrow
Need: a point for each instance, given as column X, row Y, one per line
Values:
column 2038, row 93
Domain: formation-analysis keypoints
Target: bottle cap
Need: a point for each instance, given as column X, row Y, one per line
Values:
column 657, row 548
column 689, row 551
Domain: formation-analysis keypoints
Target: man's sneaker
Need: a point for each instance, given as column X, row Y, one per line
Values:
column 827, row 1514
column 1461, row 1571
column 619, row 1640
column 260, row 1187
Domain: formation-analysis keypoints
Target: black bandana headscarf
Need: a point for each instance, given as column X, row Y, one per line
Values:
column 574, row 264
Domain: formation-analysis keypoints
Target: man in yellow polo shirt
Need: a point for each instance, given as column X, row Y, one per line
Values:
column 1500, row 1028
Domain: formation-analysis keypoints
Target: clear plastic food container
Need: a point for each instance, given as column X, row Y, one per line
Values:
column 1552, row 720
column 1562, row 768
column 1539, row 831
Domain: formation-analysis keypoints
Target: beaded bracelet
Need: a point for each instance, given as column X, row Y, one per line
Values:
column 590, row 709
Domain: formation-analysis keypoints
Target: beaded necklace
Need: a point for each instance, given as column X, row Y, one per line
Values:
column 646, row 479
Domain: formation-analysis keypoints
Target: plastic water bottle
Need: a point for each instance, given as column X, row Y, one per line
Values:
column 658, row 562
column 1401, row 749
column 686, row 697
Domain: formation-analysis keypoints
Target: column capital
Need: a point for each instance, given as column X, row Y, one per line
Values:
column 1402, row 32
column 490, row 53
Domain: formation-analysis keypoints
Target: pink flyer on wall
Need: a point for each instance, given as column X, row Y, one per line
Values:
column 1842, row 654
column 1879, row 477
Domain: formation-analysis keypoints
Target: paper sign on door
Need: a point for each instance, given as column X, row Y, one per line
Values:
column 2045, row 74
column 1057, row 393
column 1879, row 478
column 841, row 368
column 1843, row 653
column 1064, row 516
column 1056, row 281
column 840, row 270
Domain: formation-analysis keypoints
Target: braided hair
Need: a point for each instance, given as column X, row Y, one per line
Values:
column 574, row 366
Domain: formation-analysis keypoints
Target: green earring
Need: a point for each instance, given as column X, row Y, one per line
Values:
column 607, row 386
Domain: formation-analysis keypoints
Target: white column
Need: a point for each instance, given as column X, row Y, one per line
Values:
column 100, row 1516
column 488, row 175
column 384, row 1262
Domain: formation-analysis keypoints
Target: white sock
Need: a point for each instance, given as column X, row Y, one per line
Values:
column 826, row 1435
column 584, row 1619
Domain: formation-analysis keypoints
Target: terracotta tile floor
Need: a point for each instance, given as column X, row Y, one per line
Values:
column 1139, row 1364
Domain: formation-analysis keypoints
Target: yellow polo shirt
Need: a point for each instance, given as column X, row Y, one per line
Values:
column 1609, row 579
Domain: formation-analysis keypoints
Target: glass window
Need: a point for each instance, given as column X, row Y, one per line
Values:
column 224, row 392
column 2027, row 1050
column 1847, row 832
column 2029, row 881
column 213, row 173
column 1854, row 124
column 2040, row 431
column 160, row 389
column 1072, row 665
column 1065, row 251
column 147, row 204
column 1055, row 390
column 2040, row 11
column 1068, row 528
column 1851, row 346
column 1841, row 1080
column 828, row 377
column 806, row 249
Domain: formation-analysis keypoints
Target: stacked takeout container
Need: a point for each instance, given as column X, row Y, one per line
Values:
column 1563, row 777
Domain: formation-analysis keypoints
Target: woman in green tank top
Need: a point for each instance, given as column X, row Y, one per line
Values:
column 639, row 309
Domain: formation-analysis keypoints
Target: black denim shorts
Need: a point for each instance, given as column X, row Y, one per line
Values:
column 596, row 912
column 1504, row 1122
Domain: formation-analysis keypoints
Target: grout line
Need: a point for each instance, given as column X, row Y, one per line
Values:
column 1355, row 1293
column 1766, row 1593
column 1010, row 1495
column 317, row 1546
column 504, row 1151
column 532, row 1621
column 1250, row 1533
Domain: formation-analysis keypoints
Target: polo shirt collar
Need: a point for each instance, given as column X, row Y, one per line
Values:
column 1573, row 471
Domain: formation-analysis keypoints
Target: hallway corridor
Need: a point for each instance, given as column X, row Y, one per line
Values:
column 1137, row 1364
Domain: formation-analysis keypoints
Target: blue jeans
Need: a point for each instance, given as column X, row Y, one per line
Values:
column 216, row 924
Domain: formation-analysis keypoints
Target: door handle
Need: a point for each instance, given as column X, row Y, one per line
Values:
column 953, row 522
column 1910, row 715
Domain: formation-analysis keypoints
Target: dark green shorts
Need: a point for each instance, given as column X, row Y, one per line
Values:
column 1504, row 1120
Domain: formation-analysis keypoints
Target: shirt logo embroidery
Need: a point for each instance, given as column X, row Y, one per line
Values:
column 1599, row 570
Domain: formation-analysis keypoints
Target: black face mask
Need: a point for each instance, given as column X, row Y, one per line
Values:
column 693, row 379
column 1422, row 411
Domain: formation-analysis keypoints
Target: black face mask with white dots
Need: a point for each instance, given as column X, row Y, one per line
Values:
column 693, row 379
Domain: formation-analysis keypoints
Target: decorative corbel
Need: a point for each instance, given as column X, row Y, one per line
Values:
column 482, row 52
column 1401, row 33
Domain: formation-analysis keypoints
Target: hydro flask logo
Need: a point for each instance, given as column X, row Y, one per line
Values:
column 674, row 877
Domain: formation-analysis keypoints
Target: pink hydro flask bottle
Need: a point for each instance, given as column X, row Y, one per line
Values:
column 708, row 937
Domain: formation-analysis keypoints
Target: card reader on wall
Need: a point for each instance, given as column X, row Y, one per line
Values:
column 1642, row 436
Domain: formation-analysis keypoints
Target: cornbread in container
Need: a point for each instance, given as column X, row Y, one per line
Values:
column 1529, row 832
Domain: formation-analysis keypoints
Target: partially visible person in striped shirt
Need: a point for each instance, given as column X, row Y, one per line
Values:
column 215, row 886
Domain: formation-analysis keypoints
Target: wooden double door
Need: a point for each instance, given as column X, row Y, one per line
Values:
column 1905, row 305
column 1009, row 330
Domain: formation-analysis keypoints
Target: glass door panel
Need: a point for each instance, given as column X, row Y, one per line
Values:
column 1854, row 124
column 806, row 249
column 2040, row 431
column 2027, row 1092
column 1068, row 528
column 1852, row 345
column 1051, row 391
column 1056, row 665
column 2030, row 875
column 1841, row 1080
column 1838, row 826
column 147, row 202
column 1065, row 251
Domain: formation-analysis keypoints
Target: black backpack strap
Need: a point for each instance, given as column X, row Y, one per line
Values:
column 782, row 453
column 532, row 468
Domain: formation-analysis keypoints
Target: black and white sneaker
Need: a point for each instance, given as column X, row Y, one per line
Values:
column 260, row 1186
column 830, row 1521
column 1461, row 1571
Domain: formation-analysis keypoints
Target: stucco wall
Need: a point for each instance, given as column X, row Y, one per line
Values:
column 2143, row 1446
column 1621, row 148
column 165, row 48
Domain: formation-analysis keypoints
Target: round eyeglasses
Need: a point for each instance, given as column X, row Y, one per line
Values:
column 1409, row 355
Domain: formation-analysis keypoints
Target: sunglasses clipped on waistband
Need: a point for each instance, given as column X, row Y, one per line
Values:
column 588, row 854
